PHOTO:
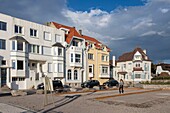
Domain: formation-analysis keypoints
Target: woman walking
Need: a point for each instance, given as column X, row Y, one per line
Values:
column 121, row 83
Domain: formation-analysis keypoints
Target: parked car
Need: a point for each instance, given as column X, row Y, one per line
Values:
column 56, row 85
column 111, row 83
column 90, row 83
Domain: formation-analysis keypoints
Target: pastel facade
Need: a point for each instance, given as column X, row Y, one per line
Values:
column 28, row 52
column 133, row 67
column 98, row 60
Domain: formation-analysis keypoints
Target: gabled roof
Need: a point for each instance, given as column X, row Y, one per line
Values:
column 73, row 32
column 129, row 56
column 164, row 66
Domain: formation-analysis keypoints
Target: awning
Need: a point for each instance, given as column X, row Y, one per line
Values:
column 19, row 38
column 122, row 72
column 58, row 44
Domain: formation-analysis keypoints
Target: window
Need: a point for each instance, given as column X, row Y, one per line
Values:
column 71, row 57
column 47, row 36
column 102, row 57
column 33, row 33
column 59, row 52
column 20, row 65
column 34, row 48
column 106, row 58
column 60, row 67
column 75, row 43
column 58, row 38
column 104, row 70
column 137, row 75
column 13, row 64
column 2, row 44
column 18, row 29
column 20, row 45
column 69, row 74
column 75, row 75
column 3, row 62
column 50, row 67
column 90, row 56
column 46, row 50
column 137, row 65
column 13, row 45
column 124, row 65
column 37, row 76
column 77, row 58
column 90, row 68
column 3, row 26
column 18, row 78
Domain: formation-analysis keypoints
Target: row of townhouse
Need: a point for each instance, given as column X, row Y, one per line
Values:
column 132, row 67
column 31, row 51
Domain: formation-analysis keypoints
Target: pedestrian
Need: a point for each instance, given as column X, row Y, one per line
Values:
column 121, row 83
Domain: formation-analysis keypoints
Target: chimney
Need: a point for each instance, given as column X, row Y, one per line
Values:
column 113, row 63
column 80, row 32
column 144, row 51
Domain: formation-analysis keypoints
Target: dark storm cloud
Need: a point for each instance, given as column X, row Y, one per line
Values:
column 34, row 10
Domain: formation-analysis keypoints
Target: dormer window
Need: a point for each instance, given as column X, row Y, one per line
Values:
column 75, row 43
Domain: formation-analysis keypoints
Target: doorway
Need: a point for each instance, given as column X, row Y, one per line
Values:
column 3, row 76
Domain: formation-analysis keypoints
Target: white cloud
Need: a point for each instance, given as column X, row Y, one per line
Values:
column 149, row 33
column 164, row 10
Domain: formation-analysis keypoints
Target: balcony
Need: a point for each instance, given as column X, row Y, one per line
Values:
column 104, row 75
column 18, row 73
column 76, row 64
column 137, row 69
column 75, row 48
column 19, row 53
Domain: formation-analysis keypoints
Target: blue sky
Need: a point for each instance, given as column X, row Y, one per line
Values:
column 122, row 25
column 107, row 5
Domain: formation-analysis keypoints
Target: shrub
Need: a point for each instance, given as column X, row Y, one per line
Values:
column 161, row 78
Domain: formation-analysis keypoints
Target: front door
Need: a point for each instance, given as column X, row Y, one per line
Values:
column 3, row 77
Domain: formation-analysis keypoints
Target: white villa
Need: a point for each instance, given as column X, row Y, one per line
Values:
column 132, row 67
column 76, row 55
column 28, row 52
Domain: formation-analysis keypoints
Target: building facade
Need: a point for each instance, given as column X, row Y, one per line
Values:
column 98, row 60
column 133, row 66
column 28, row 52
column 76, row 60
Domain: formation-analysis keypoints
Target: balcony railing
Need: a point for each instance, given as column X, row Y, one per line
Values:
column 74, row 48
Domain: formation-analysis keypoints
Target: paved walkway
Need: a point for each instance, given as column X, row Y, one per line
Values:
column 6, row 108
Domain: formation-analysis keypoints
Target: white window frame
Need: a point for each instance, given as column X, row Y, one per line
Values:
column 75, row 75
column 58, row 38
column 105, row 69
column 50, row 70
column 45, row 36
column 69, row 76
column 60, row 68
column 91, row 66
column 34, row 33
column 3, row 26
column 60, row 54
column 19, row 29
column 78, row 58
column 3, row 44
column 90, row 56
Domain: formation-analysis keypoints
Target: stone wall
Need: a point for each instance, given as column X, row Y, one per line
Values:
column 156, row 86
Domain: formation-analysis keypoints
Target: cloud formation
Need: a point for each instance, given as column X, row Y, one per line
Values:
column 122, row 29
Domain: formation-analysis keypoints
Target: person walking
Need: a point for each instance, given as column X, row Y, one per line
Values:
column 121, row 83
